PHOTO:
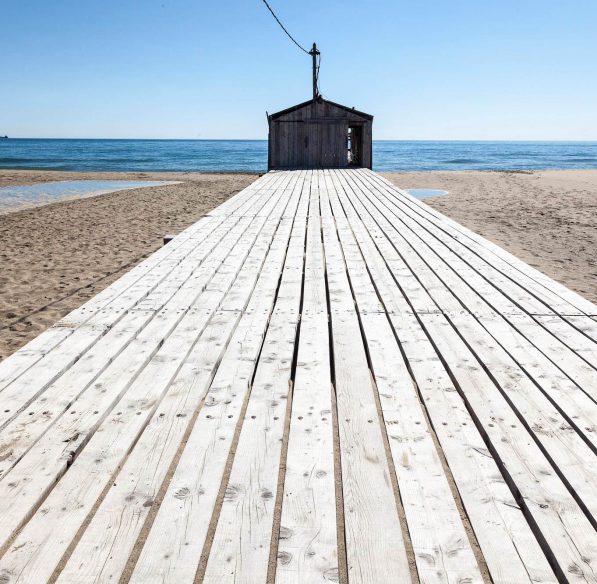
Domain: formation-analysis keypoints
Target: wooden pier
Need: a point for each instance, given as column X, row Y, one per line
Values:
column 324, row 380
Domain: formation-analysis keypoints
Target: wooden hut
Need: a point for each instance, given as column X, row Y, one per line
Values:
column 320, row 134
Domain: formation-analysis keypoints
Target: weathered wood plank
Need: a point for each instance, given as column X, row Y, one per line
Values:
column 441, row 272
column 179, row 427
column 97, row 316
column 189, row 501
column 509, row 546
column 88, row 474
column 307, row 548
column 558, row 526
column 505, row 298
column 149, row 472
column 570, row 536
column 180, row 292
column 241, row 542
column 442, row 550
column 370, row 505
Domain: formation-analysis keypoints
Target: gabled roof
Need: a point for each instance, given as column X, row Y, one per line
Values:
column 321, row 100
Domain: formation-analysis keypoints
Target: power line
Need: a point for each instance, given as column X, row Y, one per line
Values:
column 284, row 29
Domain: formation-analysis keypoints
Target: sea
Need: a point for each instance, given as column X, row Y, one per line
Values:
column 251, row 155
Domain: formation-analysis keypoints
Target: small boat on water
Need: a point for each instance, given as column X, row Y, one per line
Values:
column 3, row 137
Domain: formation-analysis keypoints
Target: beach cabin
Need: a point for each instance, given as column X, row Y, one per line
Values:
column 319, row 134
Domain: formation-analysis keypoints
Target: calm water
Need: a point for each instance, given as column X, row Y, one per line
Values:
column 251, row 155
column 16, row 197
column 426, row 193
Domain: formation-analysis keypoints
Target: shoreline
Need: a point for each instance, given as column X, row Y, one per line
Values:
column 20, row 177
column 10, row 177
column 58, row 255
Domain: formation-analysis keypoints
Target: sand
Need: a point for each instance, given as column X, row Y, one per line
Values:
column 57, row 256
column 546, row 218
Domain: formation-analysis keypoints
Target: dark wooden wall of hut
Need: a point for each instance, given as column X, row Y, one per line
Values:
column 314, row 135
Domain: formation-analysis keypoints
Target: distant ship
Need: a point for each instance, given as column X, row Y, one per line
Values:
column 3, row 137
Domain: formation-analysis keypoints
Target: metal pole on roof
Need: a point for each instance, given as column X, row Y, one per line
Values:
column 314, row 53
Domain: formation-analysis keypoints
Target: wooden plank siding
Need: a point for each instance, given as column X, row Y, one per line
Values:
column 314, row 135
column 322, row 381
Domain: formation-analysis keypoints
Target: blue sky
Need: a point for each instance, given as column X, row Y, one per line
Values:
column 426, row 69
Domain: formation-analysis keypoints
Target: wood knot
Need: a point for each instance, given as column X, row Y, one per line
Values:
column 231, row 493
column 266, row 494
column 182, row 493
column 5, row 455
column 429, row 558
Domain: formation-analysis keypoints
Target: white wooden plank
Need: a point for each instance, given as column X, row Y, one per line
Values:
column 30, row 384
column 570, row 454
column 568, row 360
column 580, row 338
column 46, row 537
column 102, row 449
column 307, row 550
column 16, row 364
column 370, row 505
column 180, row 290
column 459, row 282
column 442, row 550
column 420, row 288
column 65, row 393
column 104, row 548
column 508, row 544
column 121, row 514
column 556, row 523
column 588, row 326
column 578, row 408
column 173, row 547
column 568, row 533
column 241, row 542
column 562, row 328
column 31, row 353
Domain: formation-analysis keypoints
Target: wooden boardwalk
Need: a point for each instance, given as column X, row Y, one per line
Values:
column 323, row 380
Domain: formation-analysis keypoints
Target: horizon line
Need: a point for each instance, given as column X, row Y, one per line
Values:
column 588, row 141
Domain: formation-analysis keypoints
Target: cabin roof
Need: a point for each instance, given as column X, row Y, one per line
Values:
column 320, row 99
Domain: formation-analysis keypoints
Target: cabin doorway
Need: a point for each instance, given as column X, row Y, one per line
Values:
column 355, row 145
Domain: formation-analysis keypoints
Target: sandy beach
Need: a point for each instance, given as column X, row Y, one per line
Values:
column 57, row 256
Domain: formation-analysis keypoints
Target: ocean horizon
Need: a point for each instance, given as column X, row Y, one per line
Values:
column 164, row 155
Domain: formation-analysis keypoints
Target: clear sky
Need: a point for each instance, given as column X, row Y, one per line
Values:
column 426, row 69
